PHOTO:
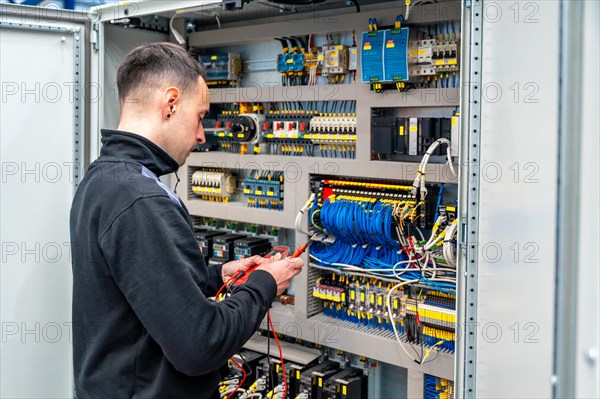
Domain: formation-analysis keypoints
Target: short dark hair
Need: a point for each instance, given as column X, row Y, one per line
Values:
column 150, row 64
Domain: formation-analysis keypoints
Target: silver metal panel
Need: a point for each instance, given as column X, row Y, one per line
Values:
column 568, row 256
column 464, row 206
column 255, row 92
column 587, row 382
column 415, row 384
column 40, row 120
column 387, row 382
column 467, row 306
column 240, row 212
column 518, row 185
column 96, row 79
column 577, row 312
column 436, row 173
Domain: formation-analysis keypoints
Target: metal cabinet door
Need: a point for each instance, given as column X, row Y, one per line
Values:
column 42, row 141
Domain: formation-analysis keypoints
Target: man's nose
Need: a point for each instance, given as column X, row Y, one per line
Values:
column 200, row 138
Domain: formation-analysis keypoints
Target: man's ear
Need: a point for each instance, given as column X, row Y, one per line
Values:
column 170, row 102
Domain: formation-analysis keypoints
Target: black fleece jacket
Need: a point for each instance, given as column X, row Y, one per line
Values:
column 143, row 326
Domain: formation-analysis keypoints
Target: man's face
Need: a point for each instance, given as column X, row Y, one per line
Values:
column 186, row 129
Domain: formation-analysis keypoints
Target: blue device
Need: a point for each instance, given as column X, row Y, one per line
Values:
column 395, row 55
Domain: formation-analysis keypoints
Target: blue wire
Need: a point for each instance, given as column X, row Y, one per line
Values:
column 363, row 237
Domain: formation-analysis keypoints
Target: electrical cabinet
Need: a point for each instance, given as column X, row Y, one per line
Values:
column 310, row 126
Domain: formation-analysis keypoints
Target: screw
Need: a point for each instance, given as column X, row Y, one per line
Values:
column 63, row 39
column 592, row 355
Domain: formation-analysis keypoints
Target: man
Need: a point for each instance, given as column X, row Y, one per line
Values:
column 143, row 324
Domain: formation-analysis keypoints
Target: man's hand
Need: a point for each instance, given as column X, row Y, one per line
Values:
column 282, row 270
column 230, row 268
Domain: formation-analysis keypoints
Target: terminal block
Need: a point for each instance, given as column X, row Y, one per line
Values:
column 213, row 185
column 264, row 190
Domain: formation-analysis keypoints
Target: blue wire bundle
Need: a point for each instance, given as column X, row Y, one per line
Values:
column 363, row 233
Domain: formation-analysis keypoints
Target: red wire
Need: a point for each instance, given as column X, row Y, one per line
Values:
column 227, row 283
column 232, row 359
column 280, row 355
column 241, row 382
column 285, row 387
column 411, row 244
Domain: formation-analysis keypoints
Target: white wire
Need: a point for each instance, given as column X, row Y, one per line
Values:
column 276, row 393
column 233, row 382
column 177, row 35
column 180, row 39
column 391, row 315
column 407, row 13
column 424, row 269
column 362, row 273
column 356, row 270
column 440, row 220
column 398, row 276
column 431, row 245
column 434, row 269
column 428, row 352
column 225, row 393
column 298, row 221
column 419, row 182
column 448, row 247
column 420, row 232
column 344, row 265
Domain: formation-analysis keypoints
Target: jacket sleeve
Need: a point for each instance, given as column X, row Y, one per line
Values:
column 151, row 254
column 214, row 281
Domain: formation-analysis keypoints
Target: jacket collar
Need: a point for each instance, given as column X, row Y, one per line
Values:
column 125, row 146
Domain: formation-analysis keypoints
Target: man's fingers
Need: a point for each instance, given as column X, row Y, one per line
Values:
column 254, row 259
column 296, row 262
column 251, row 261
